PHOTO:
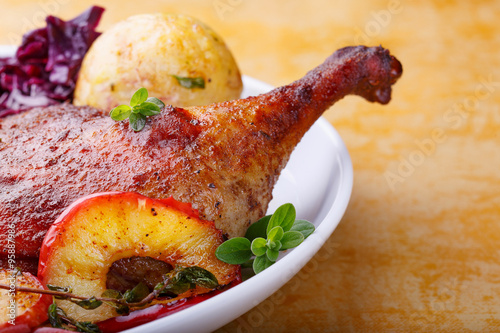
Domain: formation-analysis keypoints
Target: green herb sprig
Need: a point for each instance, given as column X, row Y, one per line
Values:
column 141, row 106
column 175, row 282
column 59, row 319
column 265, row 239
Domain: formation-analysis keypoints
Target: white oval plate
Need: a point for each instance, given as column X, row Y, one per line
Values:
column 318, row 181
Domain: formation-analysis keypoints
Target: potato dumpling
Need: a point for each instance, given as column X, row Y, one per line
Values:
column 157, row 52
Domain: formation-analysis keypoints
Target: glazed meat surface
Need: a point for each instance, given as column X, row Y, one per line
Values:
column 223, row 158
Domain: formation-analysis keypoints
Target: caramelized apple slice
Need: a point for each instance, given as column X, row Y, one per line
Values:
column 21, row 310
column 96, row 231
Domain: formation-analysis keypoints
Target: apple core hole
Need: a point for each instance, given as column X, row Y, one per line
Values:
column 124, row 274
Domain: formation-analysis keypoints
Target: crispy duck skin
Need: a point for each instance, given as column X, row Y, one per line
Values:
column 223, row 158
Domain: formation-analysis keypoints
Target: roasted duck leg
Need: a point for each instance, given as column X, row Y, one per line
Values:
column 223, row 158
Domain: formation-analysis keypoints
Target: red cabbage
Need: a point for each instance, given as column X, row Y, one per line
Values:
column 45, row 67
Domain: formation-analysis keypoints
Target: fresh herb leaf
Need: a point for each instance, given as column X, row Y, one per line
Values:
column 261, row 263
column 137, row 121
column 200, row 277
column 265, row 238
column 272, row 254
column 190, row 82
column 121, row 112
column 137, row 294
column 141, row 107
column 258, row 229
column 275, row 234
column 259, row 246
column 57, row 288
column 234, row 251
column 122, row 309
column 57, row 316
column 89, row 303
column 156, row 101
column 55, row 313
column 178, row 286
column 306, row 228
column 119, row 308
column 60, row 289
column 112, row 293
column 148, row 109
column 86, row 326
column 291, row 239
column 284, row 216
column 183, row 279
column 274, row 245
column 140, row 96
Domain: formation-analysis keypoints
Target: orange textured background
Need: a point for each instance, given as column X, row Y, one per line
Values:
column 419, row 246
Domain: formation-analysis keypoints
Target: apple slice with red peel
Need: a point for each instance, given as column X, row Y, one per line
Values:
column 98, row 231
column 23, row 311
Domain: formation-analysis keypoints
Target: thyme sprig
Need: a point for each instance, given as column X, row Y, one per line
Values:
column 177, row 281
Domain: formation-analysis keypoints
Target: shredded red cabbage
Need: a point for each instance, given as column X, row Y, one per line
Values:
column 45, row 67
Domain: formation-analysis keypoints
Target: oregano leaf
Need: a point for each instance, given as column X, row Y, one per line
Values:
column 138, row 97
column 147, row 109
column 141, row 106
column 137, row 121
column 275, row 234
column 261, row 263
column 265, row 238
column 258, row 229
column 291, row 239
column 284, row 216
column 259, row 246
column 156, row 101
column 272, row 255
column 234, row 251
column 306, row 228
column 121, row 112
